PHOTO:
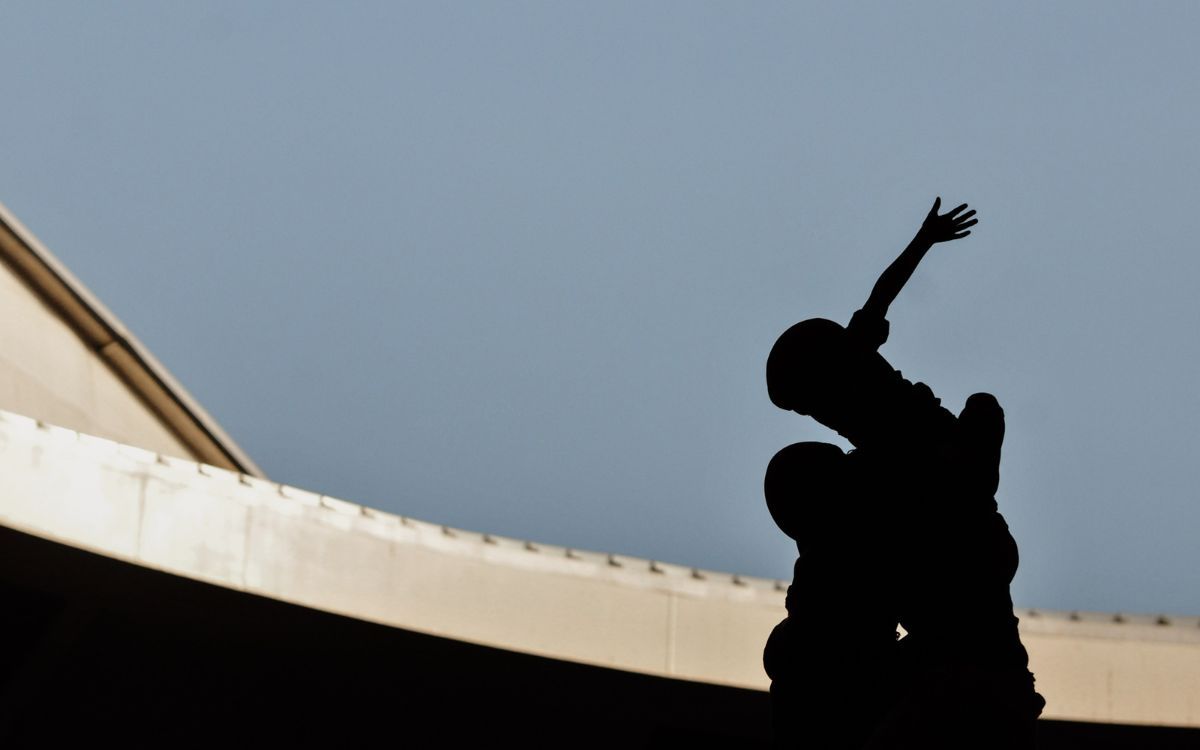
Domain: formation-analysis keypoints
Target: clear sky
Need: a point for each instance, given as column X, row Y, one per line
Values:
column 516, row 267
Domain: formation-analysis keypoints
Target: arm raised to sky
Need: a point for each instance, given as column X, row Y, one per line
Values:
column 949, row 226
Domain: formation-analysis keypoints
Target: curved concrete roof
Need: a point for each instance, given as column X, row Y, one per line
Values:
column 281, row 542
column 118, row 348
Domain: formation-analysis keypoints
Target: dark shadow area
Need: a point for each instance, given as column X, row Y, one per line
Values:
column 1081, row 735
column 98, row 650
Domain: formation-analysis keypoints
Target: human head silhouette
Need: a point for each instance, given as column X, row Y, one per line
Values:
column 798, row 363
column 804, row 482
column 817, row 369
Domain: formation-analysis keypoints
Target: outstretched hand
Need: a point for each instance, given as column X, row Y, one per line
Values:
column 949, row 226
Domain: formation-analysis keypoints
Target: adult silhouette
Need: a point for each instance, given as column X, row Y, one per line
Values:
column 962, row 672
column 832, row 661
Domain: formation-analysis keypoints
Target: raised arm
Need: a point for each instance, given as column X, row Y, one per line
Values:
column 935, row 229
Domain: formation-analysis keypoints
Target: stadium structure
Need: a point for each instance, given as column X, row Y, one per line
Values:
column 159, row 589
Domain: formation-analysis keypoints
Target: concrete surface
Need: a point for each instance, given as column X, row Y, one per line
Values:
column 654, row 618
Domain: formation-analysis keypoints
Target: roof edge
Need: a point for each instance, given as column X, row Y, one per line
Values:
column 118, row 348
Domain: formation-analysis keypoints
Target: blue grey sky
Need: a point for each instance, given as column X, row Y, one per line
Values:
column 516, row 267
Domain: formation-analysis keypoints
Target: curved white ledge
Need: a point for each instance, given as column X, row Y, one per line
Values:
column 282, row 542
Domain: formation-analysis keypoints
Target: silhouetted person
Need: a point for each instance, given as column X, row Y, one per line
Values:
column 967, row 677
column 831, row 660
column 967, row 682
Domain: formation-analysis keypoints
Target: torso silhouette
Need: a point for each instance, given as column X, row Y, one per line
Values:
column 965, row 671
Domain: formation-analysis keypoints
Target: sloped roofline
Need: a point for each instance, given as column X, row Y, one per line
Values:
column 118, row 348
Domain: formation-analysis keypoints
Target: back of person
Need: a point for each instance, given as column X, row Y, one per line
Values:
column 967, row 680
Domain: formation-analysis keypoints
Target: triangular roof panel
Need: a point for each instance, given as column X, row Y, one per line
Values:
column 111, row 385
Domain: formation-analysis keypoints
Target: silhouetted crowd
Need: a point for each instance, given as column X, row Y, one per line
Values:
column 902, row 530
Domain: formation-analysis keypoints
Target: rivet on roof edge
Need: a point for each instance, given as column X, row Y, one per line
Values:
column 612, row 560
column 697, row 574
column 654, row 568
column 1118, row 617
column 530, row 546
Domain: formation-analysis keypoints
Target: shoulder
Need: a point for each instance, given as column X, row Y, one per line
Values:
column 869, row 329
